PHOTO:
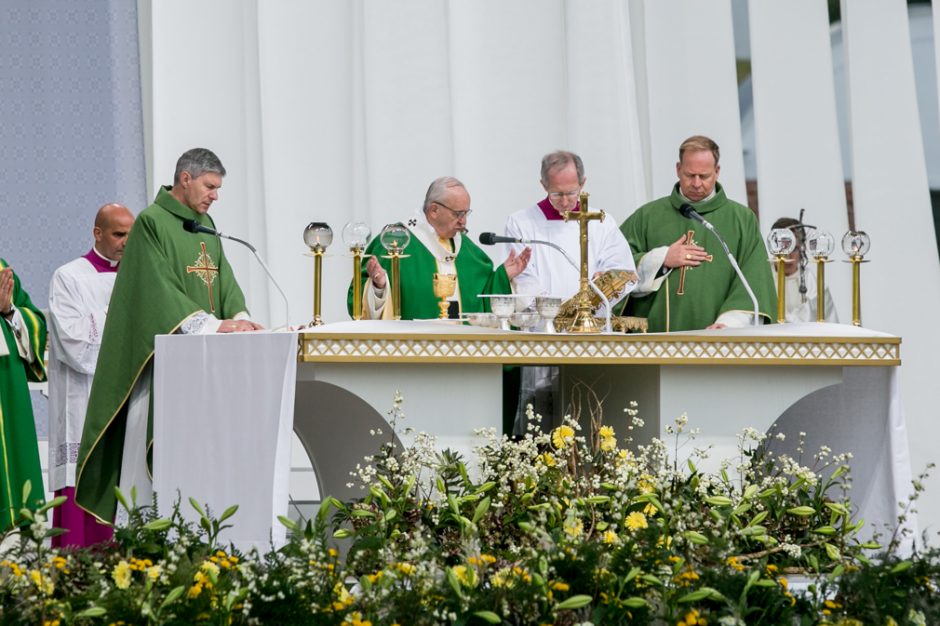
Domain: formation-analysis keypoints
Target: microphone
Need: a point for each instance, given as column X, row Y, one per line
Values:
column 689, row 212
column 489, row 239
column 192, row 226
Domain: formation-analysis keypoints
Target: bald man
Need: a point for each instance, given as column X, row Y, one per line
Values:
column 78, row 302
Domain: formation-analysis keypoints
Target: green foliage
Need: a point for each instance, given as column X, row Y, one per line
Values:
column 558, row 528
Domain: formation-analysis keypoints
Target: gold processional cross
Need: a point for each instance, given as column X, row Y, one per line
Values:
column 206, row 270
column 584, row 321
column 688, row 241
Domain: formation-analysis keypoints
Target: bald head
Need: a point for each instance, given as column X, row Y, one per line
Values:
column 112, row 226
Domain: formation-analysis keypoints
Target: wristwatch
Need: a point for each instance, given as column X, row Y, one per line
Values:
column 8, row 312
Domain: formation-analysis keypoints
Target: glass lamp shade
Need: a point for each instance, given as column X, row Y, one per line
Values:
column 781, row 241
column 318, row 235
column 856, row 243
column 356, row 235
column 395, row 238
column 820, row 244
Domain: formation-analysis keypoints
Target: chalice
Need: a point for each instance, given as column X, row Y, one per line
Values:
column 444, row 287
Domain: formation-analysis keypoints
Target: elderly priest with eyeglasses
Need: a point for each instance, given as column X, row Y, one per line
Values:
column 438, row 245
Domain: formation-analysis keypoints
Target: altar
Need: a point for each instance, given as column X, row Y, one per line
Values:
column 336, row 386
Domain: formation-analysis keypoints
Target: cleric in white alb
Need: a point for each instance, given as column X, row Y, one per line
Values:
column 78, row 303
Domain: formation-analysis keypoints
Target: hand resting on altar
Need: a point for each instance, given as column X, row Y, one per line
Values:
column 238, row 326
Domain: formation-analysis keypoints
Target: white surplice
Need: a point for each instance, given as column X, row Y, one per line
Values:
column 78, row 302
column 548, row 273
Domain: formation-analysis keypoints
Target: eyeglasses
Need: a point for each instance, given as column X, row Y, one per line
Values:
column 458, row 214
column 558, row 195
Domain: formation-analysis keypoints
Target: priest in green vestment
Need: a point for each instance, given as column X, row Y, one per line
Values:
column 169, row 281
column 21, row 361
column 686, row 279
column 438, row 245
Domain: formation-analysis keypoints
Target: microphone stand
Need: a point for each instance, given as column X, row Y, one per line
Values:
column 737, row 269
column 264, row 265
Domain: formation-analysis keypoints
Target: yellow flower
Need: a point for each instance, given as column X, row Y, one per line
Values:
column 355, row 619
column 692, row 618
column 734, row 564
column 574, row 527
column 405, row 568
column 121, row 574
column 560, row 586
column 467, row 576
column 548, row 459
column 153, row 572
column 562, row 436
column 43, row 583
column 608, row 440
column 636, row 521
column 14, row 568
column 611, row 537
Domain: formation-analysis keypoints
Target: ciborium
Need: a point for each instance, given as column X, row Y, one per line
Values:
column 445, row 285
column 856, row 244
column 318, row 236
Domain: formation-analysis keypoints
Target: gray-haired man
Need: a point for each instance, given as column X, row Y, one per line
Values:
column 170, row 281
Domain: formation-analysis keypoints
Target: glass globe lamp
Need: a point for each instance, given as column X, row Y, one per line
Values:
column 356, row 235
column 318, row 236
column 820, row 244
column 856, row 243
column 395, row 238
column 781, row 241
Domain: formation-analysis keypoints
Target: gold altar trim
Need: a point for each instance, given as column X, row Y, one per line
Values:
column 641, row 349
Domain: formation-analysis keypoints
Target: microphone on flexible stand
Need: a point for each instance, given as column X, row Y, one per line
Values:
column 489, row 239
column 192, row 226
column 689, row 212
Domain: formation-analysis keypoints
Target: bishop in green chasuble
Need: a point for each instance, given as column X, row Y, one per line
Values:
column 438, row 245
column 168, row 278
column 21, row 361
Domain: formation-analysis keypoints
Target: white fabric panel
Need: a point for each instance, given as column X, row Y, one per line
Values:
column 799, row 164
column 226, row 402
column 205, row 94
column 892, row 205
column 692, row 87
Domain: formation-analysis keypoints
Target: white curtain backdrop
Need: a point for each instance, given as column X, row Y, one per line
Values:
column 692, row 87
column 340, row 110
column 799, row 164
column 901, row 284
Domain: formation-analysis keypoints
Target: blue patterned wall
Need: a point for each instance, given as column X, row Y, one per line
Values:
column 71, row 131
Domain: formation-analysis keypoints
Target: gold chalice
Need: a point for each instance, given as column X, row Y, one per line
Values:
column 444, row 287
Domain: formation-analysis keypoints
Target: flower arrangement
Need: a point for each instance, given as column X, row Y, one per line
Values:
column 575, row 525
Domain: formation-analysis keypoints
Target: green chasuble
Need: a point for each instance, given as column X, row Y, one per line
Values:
column 475, row 275
column 166, row 277
column 19, row 449
column 713, row 287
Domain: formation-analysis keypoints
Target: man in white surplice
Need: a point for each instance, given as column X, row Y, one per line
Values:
column 78, row 303
column 548, row 272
